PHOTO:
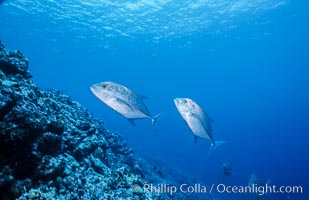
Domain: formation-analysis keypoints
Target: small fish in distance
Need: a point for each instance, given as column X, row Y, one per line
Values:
column 227, row 169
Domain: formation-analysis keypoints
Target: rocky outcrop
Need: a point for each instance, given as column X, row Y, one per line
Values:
column 52, row 148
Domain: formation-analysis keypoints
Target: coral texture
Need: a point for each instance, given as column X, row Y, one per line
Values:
column 52, row 148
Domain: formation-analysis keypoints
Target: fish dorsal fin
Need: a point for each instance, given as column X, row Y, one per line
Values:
column 126, row 103
column 146, row 112
column 131, row 121
column 210, row 135
column 142, row 96
column 211, row 119
column 195, row 139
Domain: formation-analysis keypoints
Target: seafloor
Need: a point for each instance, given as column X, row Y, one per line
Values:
column 52, row 148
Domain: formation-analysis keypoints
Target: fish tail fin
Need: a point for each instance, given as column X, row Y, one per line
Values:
column 214, row 146
column 154, row 121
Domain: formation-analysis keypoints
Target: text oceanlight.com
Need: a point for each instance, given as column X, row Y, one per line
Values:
column 222, row 188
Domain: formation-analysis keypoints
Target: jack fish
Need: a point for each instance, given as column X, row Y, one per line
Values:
column 198, row 121
column 124, row 101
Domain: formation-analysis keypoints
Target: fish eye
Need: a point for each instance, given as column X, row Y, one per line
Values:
column 185, row 101
column 104, row 86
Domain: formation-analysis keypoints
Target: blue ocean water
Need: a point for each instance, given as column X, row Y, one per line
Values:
column 245, row 63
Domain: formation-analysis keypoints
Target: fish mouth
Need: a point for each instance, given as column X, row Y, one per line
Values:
column 177, row 101
column 93, row 88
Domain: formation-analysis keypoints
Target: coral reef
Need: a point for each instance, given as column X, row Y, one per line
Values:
column 52, row 148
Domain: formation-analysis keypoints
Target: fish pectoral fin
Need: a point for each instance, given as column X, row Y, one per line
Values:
column 131, row 121
column 126, row 103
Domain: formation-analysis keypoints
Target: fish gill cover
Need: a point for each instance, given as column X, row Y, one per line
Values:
column 52, row 148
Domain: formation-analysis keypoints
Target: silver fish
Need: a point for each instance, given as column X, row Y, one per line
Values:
column 198, row 121
column 124, row 101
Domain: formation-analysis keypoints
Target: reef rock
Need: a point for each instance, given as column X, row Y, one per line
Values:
column 52, row 148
